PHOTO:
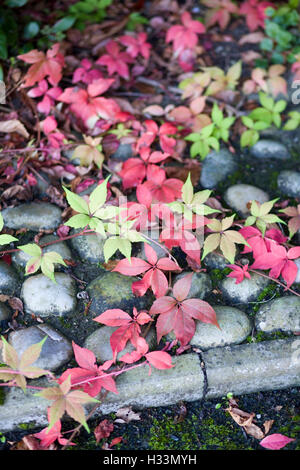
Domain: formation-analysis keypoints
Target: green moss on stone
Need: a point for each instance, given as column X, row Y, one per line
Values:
column 2, row 396
column 192, row 434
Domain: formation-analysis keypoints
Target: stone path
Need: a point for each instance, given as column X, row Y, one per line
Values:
column 242, row 357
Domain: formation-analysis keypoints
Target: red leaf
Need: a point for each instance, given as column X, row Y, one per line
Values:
column 44, row 65
column 114, row 317
column 103, row 430
column 160, row 360
column 275, row 441
column 134, row 267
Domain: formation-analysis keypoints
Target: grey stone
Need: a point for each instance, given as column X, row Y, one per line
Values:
column 201, row 285
column 216, row 167
column 5, row 312
column 113, row 290
column 267, row 148
column 43, row 297
column 281, row 314
column 184, row 382
column 20, row 258
column 215, row 261
column 235, row 327
column 33, row 216
column 89, row 247
column 9, row 279
column 248, row 368
column 289, row 183
column 238, row 195
column 56, row 350
column 123, row 152
column 98, row 342
column 24, row 408
column 246, row 291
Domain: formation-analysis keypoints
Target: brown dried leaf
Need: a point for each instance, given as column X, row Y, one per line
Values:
column 125, row 415
column 13, row 125
column 268, row 424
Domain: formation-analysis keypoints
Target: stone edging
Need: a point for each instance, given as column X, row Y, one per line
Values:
column 239, row 369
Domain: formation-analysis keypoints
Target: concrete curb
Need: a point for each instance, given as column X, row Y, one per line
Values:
column 239, row 369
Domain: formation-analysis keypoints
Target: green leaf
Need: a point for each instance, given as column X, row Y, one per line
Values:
column 98, row 197
column 125, row 247
column 217, row 115
column 31, row 30
column 31, row 249
column 5, row 239
column 15, row 3
column 279, row 106
column 78, row 221
column 193, row 137
column 266, row 101
column 110, row 247
column 187, row 190
column 63, row 24
column 277, row 119
column 261, row 114
column 247, row 122
column 76, row 202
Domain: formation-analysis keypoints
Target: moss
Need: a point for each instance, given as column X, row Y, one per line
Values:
column 2, row 396
column 217, row 275
column 269, row 292
column 262, row 336
column 27, row 426
column 192, row 434
column 292, row 429
column 64, row 323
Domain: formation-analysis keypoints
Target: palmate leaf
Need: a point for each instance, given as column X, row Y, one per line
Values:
column 223, row 237
column 260, row 215
column 39, row 260
column 66, row 400
column 21, row 368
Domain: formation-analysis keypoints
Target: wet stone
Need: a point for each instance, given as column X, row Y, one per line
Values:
column 33, row 216
column 281, row 314
column 289, row 183
column 56, row 350
column 238, row 195
column 42, row 297
column 20, row 258
column 246, row 291
column 201, row 285
column 113, row 290
column 216, row 167
column 123, row 152
column 99, row 343
column 235, row 326
column 215, row 261
column 269, row 149
column 89, row 247
column 9, row 279
column 5, row 312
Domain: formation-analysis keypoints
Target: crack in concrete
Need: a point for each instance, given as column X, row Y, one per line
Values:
column 203, row 368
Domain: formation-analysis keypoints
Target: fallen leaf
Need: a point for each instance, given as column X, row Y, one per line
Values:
column 245, row 420
column 268, row 424
column 13, row 125
column 125, row 415
column 103, row 430
column 275, row 441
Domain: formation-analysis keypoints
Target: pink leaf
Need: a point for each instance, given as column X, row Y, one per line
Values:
column 275, row 441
